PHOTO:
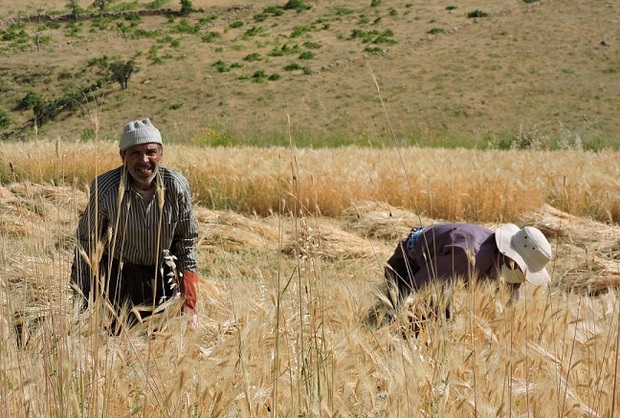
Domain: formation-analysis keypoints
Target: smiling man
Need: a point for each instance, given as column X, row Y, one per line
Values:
column 136, row 237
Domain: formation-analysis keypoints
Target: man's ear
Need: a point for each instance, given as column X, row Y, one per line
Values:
column 122, row 154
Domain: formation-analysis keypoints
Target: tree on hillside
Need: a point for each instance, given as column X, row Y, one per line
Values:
column 186, row 7
column 74, row 8
column 102, row 5
column 121, row 71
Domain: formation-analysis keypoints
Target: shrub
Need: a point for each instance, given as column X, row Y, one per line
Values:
column 259, row 76
column 185, row 27
column 297, row 5
column 133, row 17
column 373, row 49
column 221, row 66
column 30, row 100
column 87, row 134
column 255, row 56
column 435, row 31
column 5, row 121
column 73, row 29
column 477, row 13
column 312, row 45
column 342, row 11
column 306, row 55
column 211, row 36
column 260, row 17
column 156, row 4
column 273, row 10
column 274, row 77
column 292, row 67
column 205, row 20
column 253, row 31
column 299, row 31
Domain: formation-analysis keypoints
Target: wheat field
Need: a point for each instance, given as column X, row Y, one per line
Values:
column 291, row 250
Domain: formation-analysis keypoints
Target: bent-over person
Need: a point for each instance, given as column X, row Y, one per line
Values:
column 444, row 251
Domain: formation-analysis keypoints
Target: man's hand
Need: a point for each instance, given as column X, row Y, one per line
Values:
column 189, row 290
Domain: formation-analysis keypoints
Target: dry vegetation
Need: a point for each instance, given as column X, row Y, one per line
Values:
column 292, row 318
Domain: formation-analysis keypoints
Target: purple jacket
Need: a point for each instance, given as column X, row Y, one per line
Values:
column 447, row 250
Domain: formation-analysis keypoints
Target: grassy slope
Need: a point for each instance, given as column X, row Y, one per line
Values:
column 524, row 68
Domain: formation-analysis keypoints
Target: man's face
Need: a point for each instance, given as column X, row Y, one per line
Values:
column 142, row 162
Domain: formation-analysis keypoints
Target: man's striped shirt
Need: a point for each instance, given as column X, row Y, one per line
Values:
column 134, row 230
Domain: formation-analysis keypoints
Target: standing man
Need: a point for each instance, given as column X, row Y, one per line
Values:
column 136, row 237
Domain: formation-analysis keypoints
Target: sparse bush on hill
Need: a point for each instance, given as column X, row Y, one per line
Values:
column 5, row 120
column 292, row 67
column 253, row 31
column 30, row 100
column 254, row 56
column 436, row 31
column 16, row 36
column 306, row 55
column 297, row 5
column 477, row 13
column 273, row 10
column 221, row 66
column 184, row 26
column 259, row 76
column 285, row 50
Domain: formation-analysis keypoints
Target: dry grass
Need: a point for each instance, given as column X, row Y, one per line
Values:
column 292, row 320
column 477, row 186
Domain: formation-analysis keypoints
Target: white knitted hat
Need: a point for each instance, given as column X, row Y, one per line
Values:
column 139, row 132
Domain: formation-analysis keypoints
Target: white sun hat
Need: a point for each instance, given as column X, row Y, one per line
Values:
column 529, row 248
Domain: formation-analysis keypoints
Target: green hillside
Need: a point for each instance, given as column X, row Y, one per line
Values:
column 538, row 74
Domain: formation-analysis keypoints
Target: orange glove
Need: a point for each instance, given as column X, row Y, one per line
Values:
column 189, row 289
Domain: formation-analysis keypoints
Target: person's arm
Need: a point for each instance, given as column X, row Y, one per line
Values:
column 184, row 248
